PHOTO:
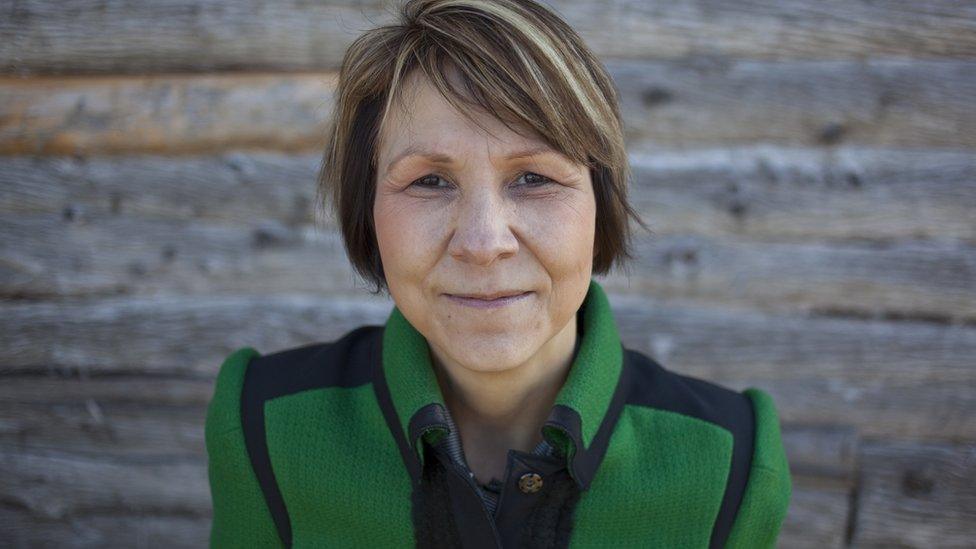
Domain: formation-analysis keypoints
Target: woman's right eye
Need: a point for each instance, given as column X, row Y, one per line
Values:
column 429, row 181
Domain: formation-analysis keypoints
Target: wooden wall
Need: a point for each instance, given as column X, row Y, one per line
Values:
column 808, row 170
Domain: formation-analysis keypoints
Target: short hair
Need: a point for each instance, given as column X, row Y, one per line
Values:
column 515, row 59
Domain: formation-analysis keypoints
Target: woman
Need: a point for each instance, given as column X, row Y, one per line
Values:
column 477, row 167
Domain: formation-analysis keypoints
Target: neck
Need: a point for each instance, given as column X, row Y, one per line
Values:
column 495, row 411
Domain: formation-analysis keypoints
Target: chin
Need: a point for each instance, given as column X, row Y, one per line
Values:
column 491, row 359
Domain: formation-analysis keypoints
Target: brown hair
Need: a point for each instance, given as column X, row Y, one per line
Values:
column 516, row 60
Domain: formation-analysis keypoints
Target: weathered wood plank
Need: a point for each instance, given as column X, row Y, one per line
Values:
column 56, row 485
column 896, row 379
column 180, row 35
column 928, row 280
column 915, row 495
column 20, row 529
column 187, row 35
column 781, row 192
column 171, row 114
column 822, row 452
column 761, row 191
column 237, row 186
column 879, row 407
column 48, row 255
column 773, row 30
column 170, row 334
column 115, row 415
column 817, row 517
column 136, row 390
column 104, row 427
column 899, row 103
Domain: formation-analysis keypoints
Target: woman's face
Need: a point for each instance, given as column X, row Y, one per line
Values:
column 454, row 215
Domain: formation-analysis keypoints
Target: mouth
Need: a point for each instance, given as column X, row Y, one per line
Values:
column 483, row 301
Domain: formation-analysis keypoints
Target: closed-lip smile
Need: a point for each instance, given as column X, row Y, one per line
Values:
column 493, row 295
column 490, row 300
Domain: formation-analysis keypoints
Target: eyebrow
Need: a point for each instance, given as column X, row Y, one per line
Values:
column 441, row 158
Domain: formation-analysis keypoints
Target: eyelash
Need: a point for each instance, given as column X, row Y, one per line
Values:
column 545, row 181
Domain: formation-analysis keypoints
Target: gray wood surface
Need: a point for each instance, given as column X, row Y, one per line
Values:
column 188, row 35
column 109, row 528
column 926, row 489
column 55, row 484
column 163, row 113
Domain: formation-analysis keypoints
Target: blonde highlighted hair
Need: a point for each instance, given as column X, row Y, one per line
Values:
column 514, row 59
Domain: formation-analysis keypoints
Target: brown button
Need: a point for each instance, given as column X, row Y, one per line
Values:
column 530, row 482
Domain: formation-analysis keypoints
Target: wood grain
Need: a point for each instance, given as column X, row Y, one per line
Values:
column 231, row 186
column 116, row 528
column 817, row 517
column 916, row 495
column 56, row 484
column 841, row 193
column 194, row 36
column 170, row 334
column 163, row 113
column 664, row 104
column 888, row 102
column 107, row 427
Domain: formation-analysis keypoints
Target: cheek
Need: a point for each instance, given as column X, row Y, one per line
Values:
column 405, row 233
column 561, row 232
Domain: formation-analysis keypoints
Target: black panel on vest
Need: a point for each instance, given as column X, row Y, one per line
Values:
column 656, row 387
column 345, row 362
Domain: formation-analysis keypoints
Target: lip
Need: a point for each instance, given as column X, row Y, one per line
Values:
column 479, row 303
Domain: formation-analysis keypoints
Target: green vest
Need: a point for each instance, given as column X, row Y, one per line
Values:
column 323, row 446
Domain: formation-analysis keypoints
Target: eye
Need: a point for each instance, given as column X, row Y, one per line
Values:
column 534, row 180
column 425, row 182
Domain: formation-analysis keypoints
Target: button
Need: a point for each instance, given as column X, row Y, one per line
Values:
column 530, row 482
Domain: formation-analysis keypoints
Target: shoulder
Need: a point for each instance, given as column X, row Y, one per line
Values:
column 767, row 496
column 750, row 415
column 758, row 487
column 347, row 361
column 655, row 386
column 247, row 376
column 223, row 411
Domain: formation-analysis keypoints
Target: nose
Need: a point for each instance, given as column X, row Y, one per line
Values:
column 482, row 232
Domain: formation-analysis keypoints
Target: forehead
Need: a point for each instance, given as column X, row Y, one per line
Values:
column 426, row 121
